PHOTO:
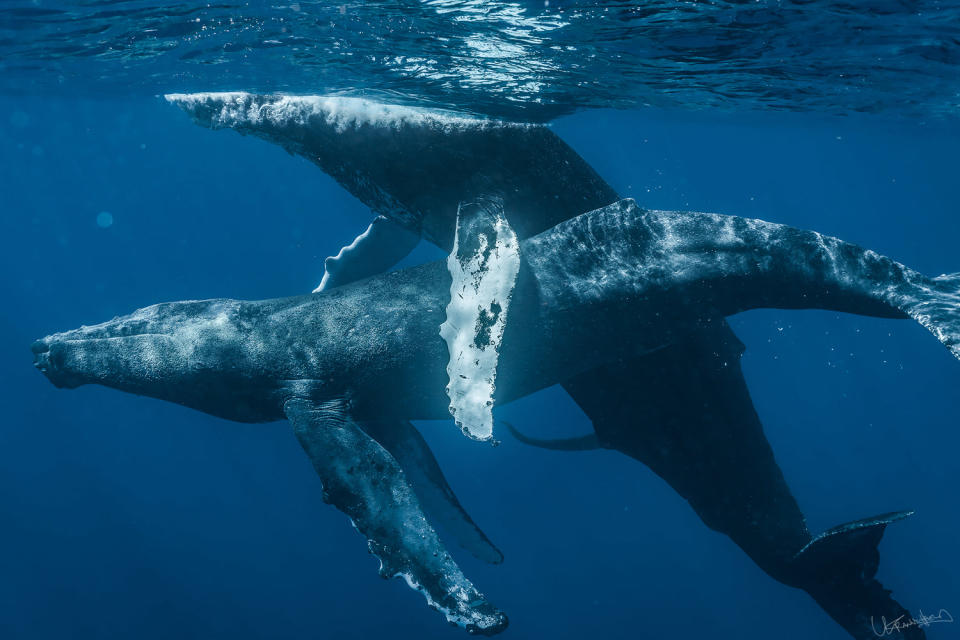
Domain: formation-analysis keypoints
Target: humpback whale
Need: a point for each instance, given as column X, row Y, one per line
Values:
column 350, row 366
column 677, row 402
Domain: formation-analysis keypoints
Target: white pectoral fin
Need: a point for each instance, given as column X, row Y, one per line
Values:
column 483, row 268
column 364, row 481
column 381, row 246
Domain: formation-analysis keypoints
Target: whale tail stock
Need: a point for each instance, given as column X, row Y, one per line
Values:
column 935, row 303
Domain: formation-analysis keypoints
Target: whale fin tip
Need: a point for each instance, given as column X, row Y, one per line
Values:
column 364, row 481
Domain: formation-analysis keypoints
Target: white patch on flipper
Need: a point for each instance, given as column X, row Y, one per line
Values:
column 483, row 266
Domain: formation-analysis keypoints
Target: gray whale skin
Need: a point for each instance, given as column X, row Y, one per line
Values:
column 349, row 367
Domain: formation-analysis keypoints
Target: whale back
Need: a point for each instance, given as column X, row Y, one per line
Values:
column 415, row 165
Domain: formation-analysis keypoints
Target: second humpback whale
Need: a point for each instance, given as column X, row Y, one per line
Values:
column 350, row 366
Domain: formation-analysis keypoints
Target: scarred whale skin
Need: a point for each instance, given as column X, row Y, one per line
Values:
column 616, row 279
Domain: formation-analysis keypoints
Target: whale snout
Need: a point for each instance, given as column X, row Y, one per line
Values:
column 41, row 355
column 161, row 351
column 49, row 359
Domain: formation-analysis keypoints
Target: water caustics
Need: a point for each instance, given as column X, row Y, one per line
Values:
column 517, row 60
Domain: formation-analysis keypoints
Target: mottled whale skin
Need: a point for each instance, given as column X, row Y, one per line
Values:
column 344, row 365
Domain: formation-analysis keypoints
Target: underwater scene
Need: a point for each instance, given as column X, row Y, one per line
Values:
column 547, row 319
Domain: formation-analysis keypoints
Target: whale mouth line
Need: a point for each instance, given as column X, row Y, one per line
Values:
column 41, row 355
column 42, row 361
column 44, row 345
column 59, row 379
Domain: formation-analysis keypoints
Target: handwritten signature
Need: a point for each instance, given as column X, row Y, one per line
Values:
column 903, row 622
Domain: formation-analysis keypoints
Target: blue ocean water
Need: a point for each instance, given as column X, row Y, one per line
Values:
column 530, row 59
column 126, row 517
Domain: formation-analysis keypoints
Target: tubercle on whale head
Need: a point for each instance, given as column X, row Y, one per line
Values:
column 201, row 354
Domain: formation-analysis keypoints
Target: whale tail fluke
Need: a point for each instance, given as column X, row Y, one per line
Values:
column 851, row 543
column 837, row 569
column 936, row 305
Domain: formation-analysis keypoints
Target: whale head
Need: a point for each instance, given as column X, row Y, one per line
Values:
column 202, row 354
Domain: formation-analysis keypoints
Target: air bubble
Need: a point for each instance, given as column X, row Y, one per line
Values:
column 104, row 219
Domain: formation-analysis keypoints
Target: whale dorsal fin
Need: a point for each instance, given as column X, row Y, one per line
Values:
column 362, row 479
column 381, row 246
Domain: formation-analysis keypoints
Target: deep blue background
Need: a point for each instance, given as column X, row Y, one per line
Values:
column 127, row 517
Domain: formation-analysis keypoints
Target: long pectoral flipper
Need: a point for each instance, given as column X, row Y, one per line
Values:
column 412, row 453
column 365, row 482
column 483, row 269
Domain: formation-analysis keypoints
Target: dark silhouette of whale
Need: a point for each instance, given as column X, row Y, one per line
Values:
column 350, row 366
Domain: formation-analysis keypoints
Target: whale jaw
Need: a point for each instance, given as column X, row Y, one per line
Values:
column 50, row 363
